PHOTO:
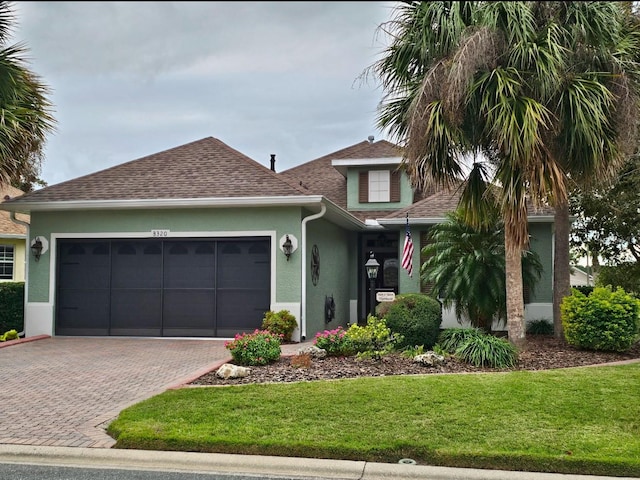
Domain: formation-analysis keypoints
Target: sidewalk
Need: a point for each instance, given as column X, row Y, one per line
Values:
column 259, row 465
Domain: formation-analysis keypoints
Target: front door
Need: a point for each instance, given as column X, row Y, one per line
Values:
column 385, row 250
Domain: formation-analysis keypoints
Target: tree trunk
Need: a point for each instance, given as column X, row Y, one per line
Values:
column 595, row 266
column 561, row 268
column 515, row 295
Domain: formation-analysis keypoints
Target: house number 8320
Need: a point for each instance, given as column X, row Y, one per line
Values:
column 160, row 233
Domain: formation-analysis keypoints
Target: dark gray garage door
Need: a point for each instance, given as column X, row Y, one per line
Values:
column 212, row 288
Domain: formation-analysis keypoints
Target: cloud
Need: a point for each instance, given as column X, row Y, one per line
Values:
column 130, row 79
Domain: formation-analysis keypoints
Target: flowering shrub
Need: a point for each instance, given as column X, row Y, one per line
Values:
column 258, row 348
column 373, row 340
column 335, row 342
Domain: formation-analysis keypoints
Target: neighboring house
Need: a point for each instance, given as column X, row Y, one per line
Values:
column 189, row 242
column 13, row 239
column 580, row 276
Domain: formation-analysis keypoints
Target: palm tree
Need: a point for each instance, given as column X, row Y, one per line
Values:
column 493, row 92
column 466, row 266
column 25, row 111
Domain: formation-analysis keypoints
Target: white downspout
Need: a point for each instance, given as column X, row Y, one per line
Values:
column 303, row 306
column 12, row 216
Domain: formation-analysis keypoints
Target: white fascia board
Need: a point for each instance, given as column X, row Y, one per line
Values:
column 297, row 200
column 342, row 165
column 412, row 221
column 12, row 236
column 434, row 220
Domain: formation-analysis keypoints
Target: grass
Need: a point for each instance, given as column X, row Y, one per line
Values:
column 581, row 420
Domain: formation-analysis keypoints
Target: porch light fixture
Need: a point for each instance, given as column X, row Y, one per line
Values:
column 372, row 267
column 36, row 248
column 287, row 247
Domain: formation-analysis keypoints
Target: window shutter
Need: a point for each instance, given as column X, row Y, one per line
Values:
column 363, row 188
column 395, row 186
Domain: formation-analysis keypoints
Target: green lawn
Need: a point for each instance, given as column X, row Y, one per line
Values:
column 583, row 420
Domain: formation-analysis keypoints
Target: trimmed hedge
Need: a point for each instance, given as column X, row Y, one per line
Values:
column 11, row 306
column 415, row 316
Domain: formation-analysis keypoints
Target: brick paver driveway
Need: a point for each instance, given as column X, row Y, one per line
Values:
column 61, row 391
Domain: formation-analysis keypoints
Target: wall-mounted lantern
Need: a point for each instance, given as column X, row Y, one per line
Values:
column 288, row 245
column 36, row 248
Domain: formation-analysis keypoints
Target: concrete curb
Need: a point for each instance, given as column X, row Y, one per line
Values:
column 259, row 465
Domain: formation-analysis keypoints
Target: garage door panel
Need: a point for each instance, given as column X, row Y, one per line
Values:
column 136, row 312
column 244, row 265
column 242, row 309
column 189, row 265
column 83, row 312
column 136, row 265
column 85, row 265
column 189, row 311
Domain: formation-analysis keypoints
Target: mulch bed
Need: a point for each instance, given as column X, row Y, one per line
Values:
column 542, row 353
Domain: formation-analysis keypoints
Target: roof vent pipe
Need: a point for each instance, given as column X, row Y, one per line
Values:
column 273, row 162
column 371, row 137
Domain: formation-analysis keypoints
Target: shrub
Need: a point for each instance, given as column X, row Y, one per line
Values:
column 258, row 348
column 451, row 338
column 605, row 320
column 488, row 351
column 301, row 360
column 540, row 327
column 373, row 340
column 11, row 306
column 10, row 335
column 281, row 323
column 417, row 317
column 335, row 342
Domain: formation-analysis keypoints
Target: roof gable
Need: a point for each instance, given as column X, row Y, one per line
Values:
column 321, row 178
column 206, row 168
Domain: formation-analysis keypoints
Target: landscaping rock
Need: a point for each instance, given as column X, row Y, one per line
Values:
column 313, row 351
column 229, row 370
column 429, row 359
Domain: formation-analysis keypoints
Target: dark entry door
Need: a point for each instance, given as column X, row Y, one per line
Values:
column 171, row 287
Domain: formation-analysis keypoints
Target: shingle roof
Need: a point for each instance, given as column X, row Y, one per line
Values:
column 206, row 168
column 7, row 226
column 444, row 201
column 321, row 178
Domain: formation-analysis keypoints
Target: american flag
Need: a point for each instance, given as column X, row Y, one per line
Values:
column 407, row 251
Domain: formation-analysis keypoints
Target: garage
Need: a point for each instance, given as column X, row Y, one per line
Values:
column 162, row 287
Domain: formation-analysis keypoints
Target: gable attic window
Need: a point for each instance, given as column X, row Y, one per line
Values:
column 379, row 186
column 6, row 262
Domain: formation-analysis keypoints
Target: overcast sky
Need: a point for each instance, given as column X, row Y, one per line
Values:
column 129, row 79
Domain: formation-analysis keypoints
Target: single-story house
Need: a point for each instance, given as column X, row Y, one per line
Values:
column 200, row 241
column 13, row 240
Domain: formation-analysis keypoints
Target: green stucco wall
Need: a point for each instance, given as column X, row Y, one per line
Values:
column 353, row 175
column 283, row 220
column 541, row 242
column 337, row 249
column 541, row 235
column 406, row 283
